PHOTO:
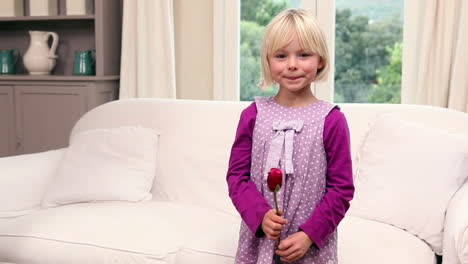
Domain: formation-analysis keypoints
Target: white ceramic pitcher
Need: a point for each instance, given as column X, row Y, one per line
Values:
column 39, row 58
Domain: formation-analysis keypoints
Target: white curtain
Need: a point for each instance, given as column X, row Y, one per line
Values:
column 148, row 56
column 435, row 53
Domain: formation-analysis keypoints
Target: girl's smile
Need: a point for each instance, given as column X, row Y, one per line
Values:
column 293, row 78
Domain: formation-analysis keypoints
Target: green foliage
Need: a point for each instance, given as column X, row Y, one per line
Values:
column 250, row 71
column 351, row 72
column 375, row 10
column 255, row 15
column 269, row 10
column 261, row 11
column 361, row 49
column 388, row 87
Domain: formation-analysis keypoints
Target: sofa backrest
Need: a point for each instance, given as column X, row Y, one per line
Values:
column 196, row 138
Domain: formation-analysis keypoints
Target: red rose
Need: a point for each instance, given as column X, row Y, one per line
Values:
column 275, row 178
column 274, row 181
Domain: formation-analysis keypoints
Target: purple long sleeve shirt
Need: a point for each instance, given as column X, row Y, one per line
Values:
column 325, row 218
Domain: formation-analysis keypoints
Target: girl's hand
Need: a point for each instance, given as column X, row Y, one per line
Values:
column 272, row 224
column 294, row 247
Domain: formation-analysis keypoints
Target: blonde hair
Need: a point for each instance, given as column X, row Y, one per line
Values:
column 282, row 29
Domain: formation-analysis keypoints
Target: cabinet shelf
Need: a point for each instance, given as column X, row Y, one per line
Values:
column 38, row 112
column 100, row 31
column 48, row 18
column 27, row 77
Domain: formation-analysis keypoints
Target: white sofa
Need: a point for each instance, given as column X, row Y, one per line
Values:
column 190, row 218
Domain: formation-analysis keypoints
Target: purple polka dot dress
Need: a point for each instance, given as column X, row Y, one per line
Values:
column 302, row 190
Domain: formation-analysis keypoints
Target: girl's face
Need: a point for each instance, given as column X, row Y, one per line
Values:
column 294, row 68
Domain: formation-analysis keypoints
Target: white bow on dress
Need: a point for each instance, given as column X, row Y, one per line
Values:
column 284, row 138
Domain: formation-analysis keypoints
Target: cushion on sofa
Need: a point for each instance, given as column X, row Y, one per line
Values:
column 117, row 164
column 455, row 228
column 367, row 241
column 407, row 174
column 359, row 241
column 219, row 245
column 39, row 251
column 147, row 230
column 462, row 247
column 24, row 180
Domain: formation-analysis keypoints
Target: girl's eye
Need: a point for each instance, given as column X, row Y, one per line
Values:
column 305, row 54
column 280, row 56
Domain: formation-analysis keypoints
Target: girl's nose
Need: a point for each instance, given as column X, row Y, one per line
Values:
column 292, row 63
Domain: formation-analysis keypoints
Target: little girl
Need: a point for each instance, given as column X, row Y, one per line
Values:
column 308, row 139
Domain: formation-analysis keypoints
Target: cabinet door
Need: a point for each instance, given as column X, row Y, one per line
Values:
column 102, row 92
column 45, row 115
column 7, row 121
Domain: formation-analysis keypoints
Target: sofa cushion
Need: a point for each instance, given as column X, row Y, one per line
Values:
column 462, row 247
column 24, row 180
column 117, row 164
column 32, row 250
column 407, row 174
column 359, row 241
column 366, row 241
column 455, row 242
column 219, row 245
column 153, row 230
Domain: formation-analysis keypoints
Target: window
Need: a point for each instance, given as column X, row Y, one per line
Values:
column 368, row 51
column 366, row 37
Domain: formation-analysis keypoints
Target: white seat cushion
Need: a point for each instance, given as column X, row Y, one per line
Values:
column 150, row 231
column 455, row 243
column 366, row 241
column 40, row 251
column 219, row 245
column 462, row 247
column 359, row 241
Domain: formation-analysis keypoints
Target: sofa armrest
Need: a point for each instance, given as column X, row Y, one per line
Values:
column 24, row 180
column 455, row 245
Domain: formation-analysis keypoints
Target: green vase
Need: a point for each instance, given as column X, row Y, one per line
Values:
column 8, row 59
column 85, row 63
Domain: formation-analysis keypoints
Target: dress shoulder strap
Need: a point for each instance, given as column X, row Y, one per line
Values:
column 262, row 103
